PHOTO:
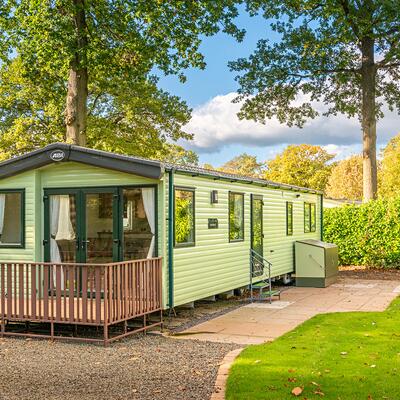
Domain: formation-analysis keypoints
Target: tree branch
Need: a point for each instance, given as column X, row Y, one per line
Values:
column 326, row 72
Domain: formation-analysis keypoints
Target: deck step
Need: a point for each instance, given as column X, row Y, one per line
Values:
column 271, row 293
column 260, row 285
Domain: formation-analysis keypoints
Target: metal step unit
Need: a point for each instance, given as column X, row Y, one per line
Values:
column 260, row 278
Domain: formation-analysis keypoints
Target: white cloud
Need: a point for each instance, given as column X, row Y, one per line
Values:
column 216, row 125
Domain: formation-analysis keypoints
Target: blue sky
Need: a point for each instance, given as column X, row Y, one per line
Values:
column 219, row 135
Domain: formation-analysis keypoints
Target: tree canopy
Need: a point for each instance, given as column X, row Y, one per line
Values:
column 85, row 70
column 389, row 182
column 345, row 181
column 302, row 165
column 342, row 53
column 243, row 164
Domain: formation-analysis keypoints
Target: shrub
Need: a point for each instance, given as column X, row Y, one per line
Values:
column 366, row 235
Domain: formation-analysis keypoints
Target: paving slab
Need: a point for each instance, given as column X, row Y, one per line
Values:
column 261, row 322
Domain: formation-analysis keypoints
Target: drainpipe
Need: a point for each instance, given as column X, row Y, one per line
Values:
column 322, row 217
column 171, row 238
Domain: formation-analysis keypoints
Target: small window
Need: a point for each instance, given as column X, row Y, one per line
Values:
column 184, row 217
column 289, row 218
column 236, row 217
column 309, row 217
column 12, row 218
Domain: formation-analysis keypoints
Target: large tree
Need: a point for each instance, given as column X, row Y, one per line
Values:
column 137, row 119
column 344, row 53
column 99, row 57
column 302, row 165
column 345, row 181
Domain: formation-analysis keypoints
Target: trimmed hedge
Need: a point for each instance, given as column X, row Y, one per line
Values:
column 368, row 234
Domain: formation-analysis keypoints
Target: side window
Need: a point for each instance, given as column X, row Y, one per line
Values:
column 184, row 217
column 313, row 218
column 12, row 218
column 236, row 217
column 289, row 218
column 310, row 217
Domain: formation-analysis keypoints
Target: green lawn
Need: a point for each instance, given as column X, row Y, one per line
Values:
column 347, row 356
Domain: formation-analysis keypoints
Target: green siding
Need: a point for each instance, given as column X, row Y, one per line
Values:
column 214, row 265
column 27, row 181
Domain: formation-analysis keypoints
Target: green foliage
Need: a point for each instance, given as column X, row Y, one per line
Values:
column 368, row 234
column 126, row 42
column 318, row 58
column 302, row 165
column 184, row 214
column 331, row 356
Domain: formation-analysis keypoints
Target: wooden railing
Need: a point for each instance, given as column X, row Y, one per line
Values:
column 80, row 294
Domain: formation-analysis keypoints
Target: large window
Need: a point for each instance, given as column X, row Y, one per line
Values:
column 309, row 217
column 12, row 218
column 289, row 218
column 236, row 217
column 184, row 217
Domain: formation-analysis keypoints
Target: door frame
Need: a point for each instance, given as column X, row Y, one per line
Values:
column 80, row 196
column 253, row 198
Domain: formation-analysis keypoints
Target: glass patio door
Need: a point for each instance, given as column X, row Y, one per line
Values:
column 81, row 226
column 257, row 234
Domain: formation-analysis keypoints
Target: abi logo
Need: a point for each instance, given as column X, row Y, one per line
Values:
column 57, row 155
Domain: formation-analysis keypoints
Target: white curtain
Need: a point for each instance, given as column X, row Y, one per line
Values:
column 148, row 196
column 65, row 230
column 60, row 228
column 55, row 255
column 2, row 208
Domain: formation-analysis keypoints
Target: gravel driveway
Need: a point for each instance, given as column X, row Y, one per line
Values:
column 143, row 367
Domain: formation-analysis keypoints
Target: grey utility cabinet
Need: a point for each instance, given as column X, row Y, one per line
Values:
column 316, row 263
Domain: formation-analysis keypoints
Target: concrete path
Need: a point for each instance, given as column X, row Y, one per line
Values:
column 260, row 322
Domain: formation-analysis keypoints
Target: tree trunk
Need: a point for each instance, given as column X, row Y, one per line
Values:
column 76, row 105
column 368, row 78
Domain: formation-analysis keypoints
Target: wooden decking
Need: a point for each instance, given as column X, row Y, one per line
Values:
column 101, row 295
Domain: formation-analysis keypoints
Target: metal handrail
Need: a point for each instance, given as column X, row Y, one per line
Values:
column 259, row 258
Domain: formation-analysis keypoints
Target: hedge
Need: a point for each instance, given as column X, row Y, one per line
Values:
column 368, row 234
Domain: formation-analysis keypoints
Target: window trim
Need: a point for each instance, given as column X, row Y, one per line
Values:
column 20, row 245
column 191, row 190
column 311, row 207
column 229, row 220
column 289, row 233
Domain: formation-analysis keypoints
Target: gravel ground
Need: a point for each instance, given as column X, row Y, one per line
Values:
column 144, row 367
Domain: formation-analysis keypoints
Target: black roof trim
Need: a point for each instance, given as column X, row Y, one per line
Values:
column 190, row 170
column 132, row 165
column 42, row 157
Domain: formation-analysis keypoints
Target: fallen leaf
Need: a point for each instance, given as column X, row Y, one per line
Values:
column 373, row 366
column 315, row 383
column 319, row 393
column 297, row 391
column 257, row 361
column 292, row 379
column 343, row 353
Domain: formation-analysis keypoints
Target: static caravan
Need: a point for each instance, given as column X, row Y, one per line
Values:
column 95, row 238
